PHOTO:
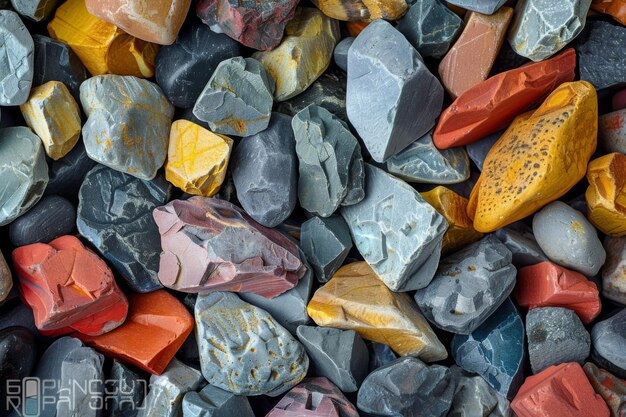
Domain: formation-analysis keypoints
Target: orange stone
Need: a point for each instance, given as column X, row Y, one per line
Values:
column 615, row 8
column 492, row 104
column 606, row 195
column 354, row 28
column 549, row 285
column 156, row 327
column 470, row 59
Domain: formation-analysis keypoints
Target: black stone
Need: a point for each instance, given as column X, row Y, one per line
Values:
column 17, row 358
column 52, row 216
column 67, row 174
column 601, row 57
column 125, row 391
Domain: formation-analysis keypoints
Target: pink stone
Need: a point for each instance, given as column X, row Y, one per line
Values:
column 612, row 131
column 619, row 100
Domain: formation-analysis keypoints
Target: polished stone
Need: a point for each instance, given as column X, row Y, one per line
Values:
column 475, row 398
column 82, row 367
column 610, row 388
column 215, row 402
column 51, row 217
column 519, row 238
column 480, row 6
column 614, row 270
column 17, row 66
column 340, row 54
column 36, row 10
column 6, row 280
column 600, row 47
column 609, row 342
column 67, row 174
column 326, row 243
column 606, row 193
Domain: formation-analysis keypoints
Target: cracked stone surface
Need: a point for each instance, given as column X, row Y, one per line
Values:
column 51, row 217
column 80, row 368
column 600, row 47
column 475, row 398
column 127, row 388
column 519, row 238
column 17, row 65
column 215, row 402
column 480, row 6
column 609, row 343
column 326, row 243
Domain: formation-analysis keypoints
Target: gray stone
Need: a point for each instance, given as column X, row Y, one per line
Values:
column 128, row 125
column 230, row 330
column 115, row 215
column 519, row 238
column 18, row 355
column 125, row 391
column 609, row 343
column 82, row 367
column 469, row 286
column 23, row 170
column 613, row 282
column 555, row 336
column 51, row 217
column 422, row 162
column 600, row 52
column 480, row 6
column 430, row 27
column 475, row 398
column 477, row 151
column 167, row 390
column 407, row 388
column 542, row 28
column 265, row 172
column 16, row 67
column 567, row 238
column 380, row 355
column 340, row 54
column 238, row 98
column 6, row 280
column 464, row 189
column 339, row 355
column 331, row 165
column 392, row 99
column 36, row 10
column 215, row 402
column 326, row 243
column 67, row 174
column 398, row 233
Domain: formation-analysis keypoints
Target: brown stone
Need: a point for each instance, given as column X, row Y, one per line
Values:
column 615, row 8
column 362, row 11
column 606, row 195
column 6, row 281
column 354, row 28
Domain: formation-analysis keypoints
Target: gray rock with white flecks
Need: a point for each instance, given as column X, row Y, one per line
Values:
column 36, row 10
column 382, row 60
column 398, row 233
column 609, row 343
column 519, row 238
column 600, row 53
column 82, row 367
column 480, row 6
column 340, row 54
column 16, row 67
column 326, row 243
column 475, row 398
column 215, row 402
column 477, row 151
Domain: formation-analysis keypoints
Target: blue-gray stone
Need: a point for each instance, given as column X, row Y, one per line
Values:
column 469, row 286
column 340, row 54
column 326, row 243
column 380, row 355
column 238, row 98
column 464, row 189
column 115, row 215
column 17, row 64
column 67, row 174
column 51, row 217
column 519, row 238
column 396, row 231
column 82, row 367
column 600, row 52
column 475, row 398
column 609, row 343
column 392, row 98
column 407, row 388
column 495, row 350
column 478, row 150
column 430, row 27
column 331, row 165
column 422, row 162
column 215, row 402
column 480, row 6
column 36, row 10
column 125, row 391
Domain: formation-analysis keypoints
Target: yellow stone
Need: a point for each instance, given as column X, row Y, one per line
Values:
column 52, row 113
column 539, row 158
column 102, row 47
column 606, row 195
column 356, row 299
column 197, row 158
column 362, row 10
column 304, row 53
column 453, row 208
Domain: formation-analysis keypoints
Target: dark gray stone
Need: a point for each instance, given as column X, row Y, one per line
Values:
column 17, row 64
column 51, row 217
column 265, row 172
column 215, row 402
column 600, row 51
column 67, row 174
column 326, row 243
column 125, row 391
column 380, row 355
column 115, row 215
column 480, row 6
column 36, row 10
column 338, row 355
column 475, row 398
column 609, row 343
column 18, row 354
column 478, row 151
column 331, row 165
column 465, row 188
column 340, row 54
column 82, row 367
column 519, row 238
column 386, row 80
column 507, row 59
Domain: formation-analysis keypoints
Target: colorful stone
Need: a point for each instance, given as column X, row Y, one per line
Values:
column 612, row 131
column 326, row 243
column 606, row 195
column 6, row 281
column 215, row 402
column 51, row 217
column 16, row 69
column 610, row 388
column 615, row 8
column 609, row 341
column 600, row 54
column 359, row 11
column 614, row 270
column 36, row 10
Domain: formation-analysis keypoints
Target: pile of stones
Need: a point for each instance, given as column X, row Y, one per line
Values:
column 403, row 208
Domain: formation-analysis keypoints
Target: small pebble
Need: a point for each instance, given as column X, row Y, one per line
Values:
column 51, row 217
column 215, row 402
column 609, row 343
column 326, row 243
column 17, row 50
column 614, row 270
column 380, row 355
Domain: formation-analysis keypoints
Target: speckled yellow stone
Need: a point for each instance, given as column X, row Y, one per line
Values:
column 102, row 47
column 197, row 158
column 538, row 159
column 362, row 10
column 606, row 195
column 304, row 53
column 52, row 113
column 355, row 299
column 453, row 208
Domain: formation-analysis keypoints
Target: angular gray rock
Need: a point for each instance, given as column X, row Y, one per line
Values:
column 567, row 238
column 613, row 282
column 6, row 280
column 36, row 10
column 609, row 343
column 477, row 151
column 23, row 170
column 331, row 165
column 51, row 217
column 128, row 125
column 338, row 355
column 340, row 54
column 422, row 162
column 542, row 28
column 82, row 367
column 380, row 355
column 480, row 6
column 407, row 388
column 238, row 98
column 469, row 286
column 265, row 172
column 215, row 402
column 125, row 391
column 18, row 60
column 599, row 50
column 475, row 398
column 398, row 233
column 555, row 336
column 386, row 80
column 326, row 243
column 519, row 238
column 230, row 330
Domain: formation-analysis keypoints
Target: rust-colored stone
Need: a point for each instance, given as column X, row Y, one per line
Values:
column 606, row 195
column 354, row 28
column 619, row 100
column 615, row 8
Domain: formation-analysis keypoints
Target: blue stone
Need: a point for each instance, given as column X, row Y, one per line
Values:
column 478, row 151
column 380, row 355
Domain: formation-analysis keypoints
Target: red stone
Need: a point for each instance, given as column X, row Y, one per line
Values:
column 619, row 100
column 354, row 28
column 156, row 327
column 549, row 285
column 559, row 391
column 493, row 104
column 69, row 288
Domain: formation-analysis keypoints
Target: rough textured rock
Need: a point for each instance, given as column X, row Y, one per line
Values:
column 614, row 270
column 215, row 402
column 607, row 190
column 363, row 11
column 555, row 335
column 128, row 124
column 381, row 59
column 475, row 398
column 303, row 55
column 331, row 171
column 6, row 280
column 16, row 70
column 612, row 131
column 495, row 350
column 468, row 287
column 609, row 341
column 67, row 174
column 355, row 299
column 212, row 245
column 480, row 6
column 610, row 388
column 615, row 8
column 82, row 367
column 541, row 29
column 127, row 391
column 398, row 233
column 115, row 215
column 336, row 354
column 229, row 329
column 600, row 57
column 568, row 239
column 380, row 355
column 18, row 355
column 36, row 10
column 237, row 100
column 340, row 54
column 519, row 238
column 407, row 387
column 51, row 217
column 326, row 244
